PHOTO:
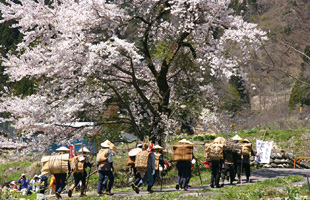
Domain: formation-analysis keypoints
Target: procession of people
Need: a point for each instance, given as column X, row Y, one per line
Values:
column 226, row 159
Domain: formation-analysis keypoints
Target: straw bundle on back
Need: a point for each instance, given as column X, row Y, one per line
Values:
column 57, row 164
column 183, row 152
column 102, row 155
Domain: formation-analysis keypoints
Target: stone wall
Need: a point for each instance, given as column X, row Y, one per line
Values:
column 280, row 160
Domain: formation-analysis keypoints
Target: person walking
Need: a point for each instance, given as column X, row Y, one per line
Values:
column 184, row 170
column 61, row 178
column 244, row 163
column 133, row 169
column 52, row 185
column 150, row 172
column 229, row 159
column 105, row 169
column 80, row 175
column 236, row 140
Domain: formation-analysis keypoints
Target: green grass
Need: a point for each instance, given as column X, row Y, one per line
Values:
column 260, row 190
column 15, row 175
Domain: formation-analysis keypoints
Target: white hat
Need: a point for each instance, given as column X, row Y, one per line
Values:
column 23, row 175
column 13, row 183
column 62, row 149
column 134, row 152
column 105, row 144
column 158, row 147
column 139, row 145
column 85, row 150
column 185, row 141
column 236, row 137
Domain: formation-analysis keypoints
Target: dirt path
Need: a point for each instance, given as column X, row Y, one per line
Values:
column 256, row 176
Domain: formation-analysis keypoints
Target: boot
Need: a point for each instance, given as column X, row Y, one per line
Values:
column 137, row 190
column 58, row 196
column 82, row 191
column 149, row 189
column 71, row 190
column 133, row 186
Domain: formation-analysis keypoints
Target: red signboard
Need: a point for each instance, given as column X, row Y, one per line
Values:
column 71, row 151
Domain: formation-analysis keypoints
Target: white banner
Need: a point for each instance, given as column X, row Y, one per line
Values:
column 263, row 151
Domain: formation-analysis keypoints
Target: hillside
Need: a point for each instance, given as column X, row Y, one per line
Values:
column 274, row 70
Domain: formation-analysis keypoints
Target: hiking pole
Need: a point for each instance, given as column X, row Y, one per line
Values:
column 199, row 172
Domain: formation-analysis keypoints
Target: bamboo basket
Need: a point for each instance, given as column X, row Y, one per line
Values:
column 183, row 152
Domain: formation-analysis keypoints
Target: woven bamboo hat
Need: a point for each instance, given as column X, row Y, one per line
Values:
column 220, row 140
column 158, row 147
column 85, row 150
column 134, row 152
column 236, row 137
column 105, row 144
column 245, row 141
column 185, row 141
column 108, row 144
column 62, row 149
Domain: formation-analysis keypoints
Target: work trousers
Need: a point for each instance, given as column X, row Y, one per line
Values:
column 103, row 182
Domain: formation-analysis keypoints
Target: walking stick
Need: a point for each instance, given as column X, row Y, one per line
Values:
column 161, row 182
column 88, row 178
column 241, row 169
column 199, row 172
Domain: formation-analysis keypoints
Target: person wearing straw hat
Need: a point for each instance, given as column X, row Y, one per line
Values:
column 230, row 158
column 61, row 179
column 236, row 139
column 161, row 163
column 133, row 169
column 150, row 171
column 245, row 161
column 184, row 170
column 106, row 169
column 81, row 175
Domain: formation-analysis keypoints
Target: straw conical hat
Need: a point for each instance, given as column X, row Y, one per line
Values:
column 134, row 152
column 158, row 147
column 245, row 140
column 105, row 144
column 62, row 149
column 108, row 144
column 85, row 150
column 185, row 141
column 236, row 137
column 220, row 140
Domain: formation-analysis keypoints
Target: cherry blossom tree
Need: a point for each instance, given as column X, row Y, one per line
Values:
column 155, row 57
